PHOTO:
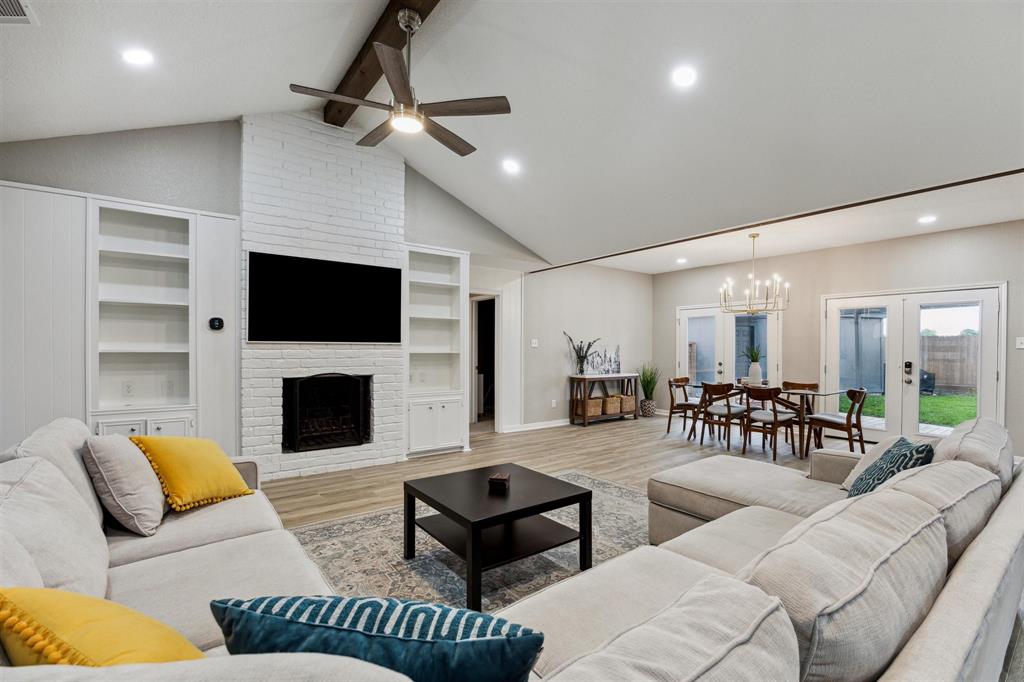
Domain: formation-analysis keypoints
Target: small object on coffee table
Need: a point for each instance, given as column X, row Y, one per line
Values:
column 498, row 483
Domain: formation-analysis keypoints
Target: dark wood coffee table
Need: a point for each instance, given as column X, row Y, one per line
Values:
column 488, row 530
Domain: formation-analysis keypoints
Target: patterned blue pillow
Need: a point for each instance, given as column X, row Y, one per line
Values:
column 427, row 642
column 900, row 456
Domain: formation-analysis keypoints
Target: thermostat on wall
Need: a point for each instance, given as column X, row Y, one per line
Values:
column 216, row 323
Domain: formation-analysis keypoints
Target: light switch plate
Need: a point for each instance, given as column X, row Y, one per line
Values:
column 1020, row 343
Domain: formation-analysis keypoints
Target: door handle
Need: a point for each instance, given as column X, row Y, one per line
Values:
column 908, row 380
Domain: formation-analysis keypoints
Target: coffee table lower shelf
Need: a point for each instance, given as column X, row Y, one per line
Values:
column 503, row 543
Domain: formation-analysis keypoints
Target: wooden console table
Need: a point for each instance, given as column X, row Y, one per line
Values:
column 581, row 387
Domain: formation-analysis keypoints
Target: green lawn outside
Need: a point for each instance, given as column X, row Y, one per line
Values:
column 940, row 410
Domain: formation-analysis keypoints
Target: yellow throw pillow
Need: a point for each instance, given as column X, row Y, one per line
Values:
column 192, row 471
column 41, row 625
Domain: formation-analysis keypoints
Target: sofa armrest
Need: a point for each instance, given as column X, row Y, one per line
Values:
column 250, row 471
column 832, row 466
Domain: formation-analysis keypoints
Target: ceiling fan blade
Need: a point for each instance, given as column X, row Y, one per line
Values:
column 477, row 106
column 392, row 63
column 447, row 138
column 376, row 136
column 314, row 92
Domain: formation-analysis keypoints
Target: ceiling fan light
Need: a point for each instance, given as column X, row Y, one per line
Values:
column 406, row 123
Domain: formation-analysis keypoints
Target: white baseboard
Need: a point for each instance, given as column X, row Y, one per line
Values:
column 535, row 426
column 661, row 413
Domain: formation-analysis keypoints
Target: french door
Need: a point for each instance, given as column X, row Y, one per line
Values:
column 928, row 360
column 715, row 347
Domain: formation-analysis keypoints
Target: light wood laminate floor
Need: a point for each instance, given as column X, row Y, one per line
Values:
column 625, row 451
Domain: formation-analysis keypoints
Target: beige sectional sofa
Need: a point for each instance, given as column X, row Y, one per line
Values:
column 747, row 563
column 944, row 590
column 236, row 548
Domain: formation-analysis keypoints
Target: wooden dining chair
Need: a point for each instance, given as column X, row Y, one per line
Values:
column 687, row 406
column 718, row 410
column 768, row 419
column 794, row 405
column 849, row 423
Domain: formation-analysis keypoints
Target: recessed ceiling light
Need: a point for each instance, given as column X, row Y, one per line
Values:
column 684, row 76
column 511, row 166
column 927, row 219
column 680, row 260
column 137, row 57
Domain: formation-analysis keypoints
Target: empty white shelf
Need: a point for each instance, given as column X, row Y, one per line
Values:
column 143, row 348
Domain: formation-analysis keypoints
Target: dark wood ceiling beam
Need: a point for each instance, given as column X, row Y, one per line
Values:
column 365, row 70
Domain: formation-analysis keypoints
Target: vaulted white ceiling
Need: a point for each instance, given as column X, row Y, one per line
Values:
column 798, row 106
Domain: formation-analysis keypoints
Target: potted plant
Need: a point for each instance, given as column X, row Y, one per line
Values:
column 581, row 352
column 649, row 376
column 753, row 354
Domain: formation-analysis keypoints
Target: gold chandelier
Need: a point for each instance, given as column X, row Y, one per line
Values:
column 768, row 296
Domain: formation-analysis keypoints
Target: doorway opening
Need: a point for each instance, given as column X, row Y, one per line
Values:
column 483, row 377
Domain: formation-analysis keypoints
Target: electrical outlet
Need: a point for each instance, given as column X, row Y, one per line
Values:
column 1020, row 343
column 534, row 343
column 127, row 389
column 554, row 403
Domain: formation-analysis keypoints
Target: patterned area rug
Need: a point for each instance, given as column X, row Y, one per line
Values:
column 362, row 555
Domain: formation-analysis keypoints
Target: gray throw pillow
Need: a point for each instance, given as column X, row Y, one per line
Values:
column 125, row 482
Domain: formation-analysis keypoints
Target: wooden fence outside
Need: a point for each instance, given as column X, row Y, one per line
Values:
column 952, row 359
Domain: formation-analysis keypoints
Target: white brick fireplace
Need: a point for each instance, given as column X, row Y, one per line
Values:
column 307, row 190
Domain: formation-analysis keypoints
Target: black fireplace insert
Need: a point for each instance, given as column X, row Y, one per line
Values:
column 326, row 411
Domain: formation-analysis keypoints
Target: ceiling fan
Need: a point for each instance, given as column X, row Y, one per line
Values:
column 406, row 113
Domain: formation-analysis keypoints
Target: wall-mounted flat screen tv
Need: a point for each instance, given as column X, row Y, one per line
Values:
column 322, row 301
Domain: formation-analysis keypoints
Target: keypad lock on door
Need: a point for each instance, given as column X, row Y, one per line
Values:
column 908, row 369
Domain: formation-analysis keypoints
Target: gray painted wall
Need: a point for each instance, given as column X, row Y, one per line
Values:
column 969, row 256
column 191, row 166
column 435, row 217
column 588, row 302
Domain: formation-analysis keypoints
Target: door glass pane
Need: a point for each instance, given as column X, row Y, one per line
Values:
column 751, row 340
column 862, row 337
column 700, row 349
column 948, row 374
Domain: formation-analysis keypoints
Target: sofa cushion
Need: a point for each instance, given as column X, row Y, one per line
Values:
column 193, row 472
column 234, row 518
column 265, row 563
column 125, row 482
column 578, row 616
column 856, row 578
column 900, row 456
column 965, row 495
column 47, row 627
column 60, row 442
column 983, row 442
column 731, row 541
column 250, row 668
column 713, row 487
column 720, row 629
column 427, row 641
column 17, row 568
column 40, row 508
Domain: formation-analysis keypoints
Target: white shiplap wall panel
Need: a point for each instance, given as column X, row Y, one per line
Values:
column 42, row 309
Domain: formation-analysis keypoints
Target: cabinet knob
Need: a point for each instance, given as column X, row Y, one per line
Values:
column 132, row 429
column 443, row 406
column 430, row 407
column 159, row 428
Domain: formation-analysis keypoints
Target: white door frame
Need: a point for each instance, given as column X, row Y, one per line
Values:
column 477, row 293
column 726, row 335
column 1001, row 341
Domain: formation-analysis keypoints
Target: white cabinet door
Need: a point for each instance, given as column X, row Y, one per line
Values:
column 127, row 427
column 449, row 422
column 422, row 425
column 170, row 426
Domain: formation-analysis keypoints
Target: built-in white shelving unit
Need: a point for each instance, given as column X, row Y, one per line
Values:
column 437, row 339
column 142, row 332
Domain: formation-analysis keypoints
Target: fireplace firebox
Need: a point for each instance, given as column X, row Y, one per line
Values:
column 326, row 411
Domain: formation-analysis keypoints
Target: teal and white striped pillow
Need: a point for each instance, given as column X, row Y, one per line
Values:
column 422, row 640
